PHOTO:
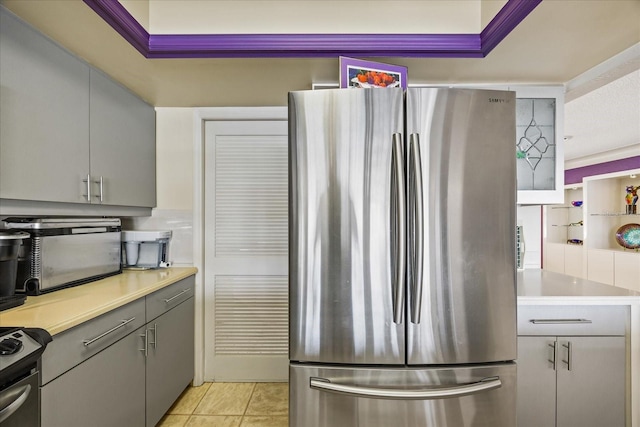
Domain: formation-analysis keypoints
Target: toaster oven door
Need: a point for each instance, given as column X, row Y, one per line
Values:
column 63, row 260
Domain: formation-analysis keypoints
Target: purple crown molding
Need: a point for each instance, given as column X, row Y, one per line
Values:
column 123, row 22
column 575, row 176
column 508, row 18
column 313, row 45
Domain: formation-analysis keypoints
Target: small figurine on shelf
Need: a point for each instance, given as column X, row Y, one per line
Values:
column 631, row 198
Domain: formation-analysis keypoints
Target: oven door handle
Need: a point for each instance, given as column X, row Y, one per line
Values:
column 16, row 397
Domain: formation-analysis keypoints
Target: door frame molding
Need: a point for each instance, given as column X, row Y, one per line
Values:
column 201, row 115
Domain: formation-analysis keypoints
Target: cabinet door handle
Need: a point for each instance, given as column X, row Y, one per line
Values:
column 554, row 346
column 88, row 181
column 558, row 321
column 569, row 355
column 145, row 338
column 167, row 301
column 101, row 183
column 104, row 334
column 154, row 343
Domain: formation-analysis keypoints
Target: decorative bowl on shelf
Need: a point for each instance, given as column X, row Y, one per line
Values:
column 628, row 236
column 577, row 203
column 574, row 242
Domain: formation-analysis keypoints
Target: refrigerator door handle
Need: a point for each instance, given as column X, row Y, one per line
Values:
column 417, row 215
column 399, row 226
column 486, row 384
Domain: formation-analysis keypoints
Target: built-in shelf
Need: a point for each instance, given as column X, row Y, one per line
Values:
column 592, row 251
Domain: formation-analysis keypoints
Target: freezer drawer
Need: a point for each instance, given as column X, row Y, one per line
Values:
column 332, row 396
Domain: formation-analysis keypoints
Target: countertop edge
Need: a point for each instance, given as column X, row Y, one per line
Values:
column 19, row 316
column 578, row 300
column 117, row 303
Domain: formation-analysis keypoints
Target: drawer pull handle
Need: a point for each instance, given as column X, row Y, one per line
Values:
column 167, row 301
column 558, row 321
column 104, row 334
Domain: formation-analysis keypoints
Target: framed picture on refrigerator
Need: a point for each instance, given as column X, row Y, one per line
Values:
column 356, row 73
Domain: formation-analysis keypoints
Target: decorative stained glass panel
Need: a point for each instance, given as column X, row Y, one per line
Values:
column 536, row 143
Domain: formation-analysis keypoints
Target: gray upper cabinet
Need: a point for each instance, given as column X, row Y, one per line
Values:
column 123, row 152
column 68, row 133
column 44, row 117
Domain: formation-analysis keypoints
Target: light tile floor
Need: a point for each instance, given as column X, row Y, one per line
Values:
column 230, row 405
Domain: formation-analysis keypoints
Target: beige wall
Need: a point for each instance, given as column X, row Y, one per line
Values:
column 174, row 158
column 174, row 183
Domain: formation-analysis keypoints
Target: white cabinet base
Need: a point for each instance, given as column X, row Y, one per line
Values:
column 554, row 257
column 600, row 266
column 627, row 270
column 573, row 255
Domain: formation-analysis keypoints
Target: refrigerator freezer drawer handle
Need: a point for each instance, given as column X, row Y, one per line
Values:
column 407, row 394
column 400, row 228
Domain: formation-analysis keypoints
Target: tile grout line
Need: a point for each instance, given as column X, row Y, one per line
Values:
column 191, row 415
column 248, row 401
column 200, row 400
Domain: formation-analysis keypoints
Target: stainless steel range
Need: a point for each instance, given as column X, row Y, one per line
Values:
column 20, row 350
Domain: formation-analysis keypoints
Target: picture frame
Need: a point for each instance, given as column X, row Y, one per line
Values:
column 357, row 73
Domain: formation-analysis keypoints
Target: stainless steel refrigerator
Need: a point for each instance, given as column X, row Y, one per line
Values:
column 402, row 274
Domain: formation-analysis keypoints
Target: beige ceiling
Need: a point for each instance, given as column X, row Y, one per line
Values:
column 556, row 44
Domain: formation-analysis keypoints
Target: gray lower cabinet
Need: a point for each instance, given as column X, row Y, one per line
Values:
column 571, row 380
column 124, row 368
column 170, row 359
column 106, row 390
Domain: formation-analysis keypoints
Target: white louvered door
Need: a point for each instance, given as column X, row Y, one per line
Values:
column 246, row 263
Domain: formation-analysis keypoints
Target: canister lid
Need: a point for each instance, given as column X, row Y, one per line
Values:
column 13, row 235
column 144, row 235
column 56, row 222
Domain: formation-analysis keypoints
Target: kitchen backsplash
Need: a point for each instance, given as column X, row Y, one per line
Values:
column 180, row 222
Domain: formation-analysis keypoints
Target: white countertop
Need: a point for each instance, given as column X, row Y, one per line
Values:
column 546, row 287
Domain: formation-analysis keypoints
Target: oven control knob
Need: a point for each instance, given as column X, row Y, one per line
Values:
column 10, row 346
